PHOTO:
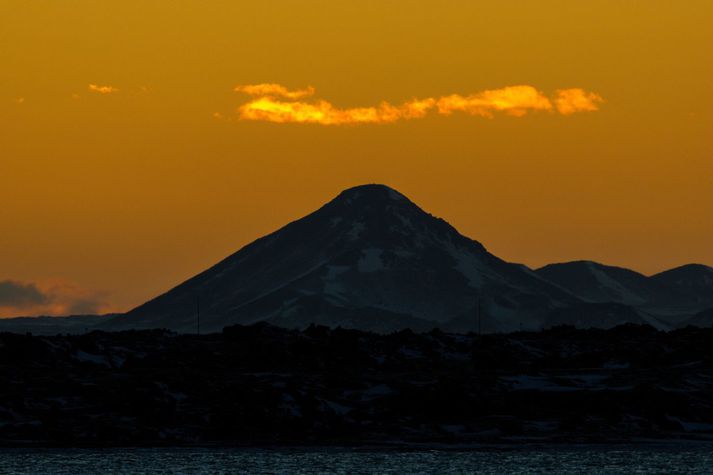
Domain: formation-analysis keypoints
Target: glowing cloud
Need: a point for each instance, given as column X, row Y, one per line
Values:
column 276, row 103
column 274, row 90
column 322, row 112
column 102, row 89
column 569, row 101
column 513, row 100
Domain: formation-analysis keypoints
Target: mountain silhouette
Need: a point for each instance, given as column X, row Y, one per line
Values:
column 369, row 259
column 373, row 260
column 666, row 300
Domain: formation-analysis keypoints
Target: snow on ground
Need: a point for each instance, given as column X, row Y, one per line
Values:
column 279, row 286
column 356, row 230
column 403, row 253
column 605, row 281
column 332, row 287
column 395, row 195
column 376, row 391
column 564, row 383
column 468, row 264
column 411, row 353
column 290, row 406
column 693, row 426
column 406, row 223
column 654, row 322
column 91, row 358
column 336, row 407
column 370, row 260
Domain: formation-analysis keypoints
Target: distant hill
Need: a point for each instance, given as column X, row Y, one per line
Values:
column 593, row 282
column 689, row 286
column 672, row 296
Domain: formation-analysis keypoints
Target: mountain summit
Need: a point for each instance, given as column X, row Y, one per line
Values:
column 368, row 259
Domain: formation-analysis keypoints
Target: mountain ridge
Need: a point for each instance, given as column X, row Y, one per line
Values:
column 368, row 248
column 372, row 259
column 684, row 289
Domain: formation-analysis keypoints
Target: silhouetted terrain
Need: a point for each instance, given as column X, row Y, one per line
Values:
column 372, row 260
column 266, row 385
column 369, row 259
column 666, row 299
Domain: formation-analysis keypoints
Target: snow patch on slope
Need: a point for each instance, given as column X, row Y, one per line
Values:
column 469, row 265
column 370, row 260
column 332, row 288
column 605, row 281
column 356, row 230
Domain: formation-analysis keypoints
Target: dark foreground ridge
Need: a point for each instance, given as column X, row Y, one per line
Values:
column 263, row 385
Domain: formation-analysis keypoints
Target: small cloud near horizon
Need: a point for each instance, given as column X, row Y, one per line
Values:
column 49, row 298
column 102, row 89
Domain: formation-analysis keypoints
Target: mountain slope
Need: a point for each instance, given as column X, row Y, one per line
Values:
column 668, row 299
column 368, row 259
column 703, row 319
column 601, row 315
column 688, row 286
column 598, row 283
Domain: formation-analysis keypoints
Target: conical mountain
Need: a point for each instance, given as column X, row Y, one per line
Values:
column 368, row 259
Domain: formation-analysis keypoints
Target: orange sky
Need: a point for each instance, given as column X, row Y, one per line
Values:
column 124, row 167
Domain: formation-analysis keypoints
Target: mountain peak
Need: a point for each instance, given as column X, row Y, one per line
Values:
column 369, row 258
column 381, row 210
column 372, row 192
column 688, row 268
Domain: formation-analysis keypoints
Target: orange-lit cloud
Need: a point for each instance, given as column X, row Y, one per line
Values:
column 513, row 100
column 274, row 90
column 276, row 103
column 322, row 112
column 102, row 89
column 569, row 101
column 52, row 297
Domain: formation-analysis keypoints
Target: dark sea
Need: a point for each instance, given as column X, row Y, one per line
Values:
column 659, row 458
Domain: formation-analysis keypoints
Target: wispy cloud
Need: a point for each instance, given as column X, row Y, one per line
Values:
column 274, row 90
column 276, row 103
column 54, row 297
column 569, row 101
column 512, row 100
column 102, row 89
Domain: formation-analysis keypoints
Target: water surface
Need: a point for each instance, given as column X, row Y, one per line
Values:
column 688, row 458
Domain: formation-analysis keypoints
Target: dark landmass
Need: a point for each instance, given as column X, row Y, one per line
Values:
column 263, row 385
column 53, row 325
column 372, row 260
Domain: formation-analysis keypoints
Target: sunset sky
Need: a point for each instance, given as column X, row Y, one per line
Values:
column 129, row 160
